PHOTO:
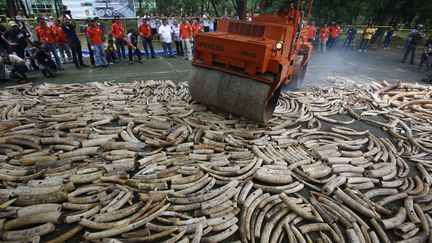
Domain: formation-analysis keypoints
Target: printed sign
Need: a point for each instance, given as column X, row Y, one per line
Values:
column 104, row 9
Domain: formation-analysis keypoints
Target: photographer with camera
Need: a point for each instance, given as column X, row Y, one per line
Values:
column 13, row 66
column 69, row 27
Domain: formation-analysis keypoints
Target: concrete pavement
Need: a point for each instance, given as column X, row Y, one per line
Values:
column 359, row 67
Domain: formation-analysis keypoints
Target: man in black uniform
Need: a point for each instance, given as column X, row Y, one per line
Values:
column 16, row 38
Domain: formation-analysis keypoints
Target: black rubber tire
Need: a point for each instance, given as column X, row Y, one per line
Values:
column 232, row 93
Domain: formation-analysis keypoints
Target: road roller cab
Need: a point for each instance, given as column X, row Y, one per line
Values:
column 244, row 65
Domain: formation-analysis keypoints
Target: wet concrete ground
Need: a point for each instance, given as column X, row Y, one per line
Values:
column 363, row 67
column 359, row 67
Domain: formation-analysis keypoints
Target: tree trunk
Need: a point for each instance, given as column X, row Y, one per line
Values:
column 382, row 18
column 140, row 12
column 214, row 7
column 240, row 8
column 202, row 7
column 11, row 9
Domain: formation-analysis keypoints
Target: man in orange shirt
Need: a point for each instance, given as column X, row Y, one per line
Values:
column 119, row 36
column 96, row 40
column 196, row 28
column 312, row 32
column 323, row 37
column 147, row 37
column 334, row 34
column 61, row 41
column 45, row 35
column 185, row 35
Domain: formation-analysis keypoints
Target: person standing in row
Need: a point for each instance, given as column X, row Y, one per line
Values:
column 132, row 43
column 61, row 41
column 426, row 56
column 351, row 34
column 334, row 34
column 416, row 39
column 367, row 36
column 206, row 22
column 68, row 25
column 196, row 28
column 408, row 40
column 323, row 37
column 46, row 37
column 4, row 45
column 96, row 41
column 165, row 33
column 388, row 38
column 119, row 36
column 312, row 32
column 145, row 31
column 212, row 24
column 177, row 38
column 152, row 23
column 158, row 24
column 84, row 30
column 186, row 35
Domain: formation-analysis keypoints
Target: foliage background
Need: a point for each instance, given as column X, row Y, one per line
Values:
column 380, row 12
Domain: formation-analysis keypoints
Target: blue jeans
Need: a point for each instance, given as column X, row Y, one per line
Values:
column 347, row 43
column 53, row 49
column 411, row 48
column 387, row 42
column 167, row 48
column 364, row 44
column 99, row 54
column 148, row 44
column 120, row 44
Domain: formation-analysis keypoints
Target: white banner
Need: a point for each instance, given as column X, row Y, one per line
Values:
column 104, row 9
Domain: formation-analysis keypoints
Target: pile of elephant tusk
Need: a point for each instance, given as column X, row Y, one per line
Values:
column 143, row 162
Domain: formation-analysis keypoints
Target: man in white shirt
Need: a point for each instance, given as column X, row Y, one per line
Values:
column 165, row 32
column 206, row 22
column 152, row 22
column 177, row 38
column 171, row 20
column 211, row 24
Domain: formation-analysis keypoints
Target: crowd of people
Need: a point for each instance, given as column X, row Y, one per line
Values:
column 327, row 38
column 55, row 42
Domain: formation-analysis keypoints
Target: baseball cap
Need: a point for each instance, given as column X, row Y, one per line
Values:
column 12, row 23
